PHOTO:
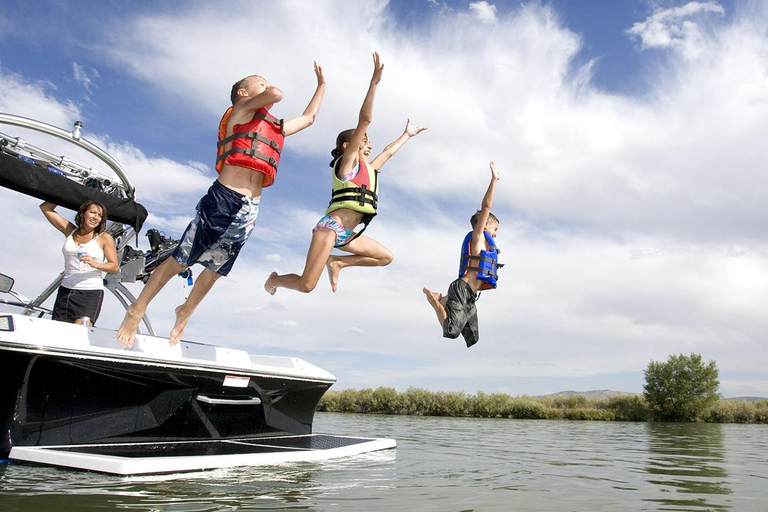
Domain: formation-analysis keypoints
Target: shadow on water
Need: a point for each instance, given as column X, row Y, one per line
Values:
column 688, row 459
column 297, row 486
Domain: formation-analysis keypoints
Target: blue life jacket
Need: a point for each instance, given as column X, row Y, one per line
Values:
column 486, row 264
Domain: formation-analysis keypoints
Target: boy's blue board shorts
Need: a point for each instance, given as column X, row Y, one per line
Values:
column 223, row 223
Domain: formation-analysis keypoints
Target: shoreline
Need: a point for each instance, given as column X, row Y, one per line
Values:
column 622, row 407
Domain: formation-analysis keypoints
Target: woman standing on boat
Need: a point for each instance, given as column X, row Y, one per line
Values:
column 88, row 251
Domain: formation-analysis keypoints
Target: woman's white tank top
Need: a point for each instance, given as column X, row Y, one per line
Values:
column 79, row 275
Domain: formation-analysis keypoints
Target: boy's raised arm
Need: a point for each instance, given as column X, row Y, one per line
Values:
column 485, row 208
column 251, row 104
column 306, row 119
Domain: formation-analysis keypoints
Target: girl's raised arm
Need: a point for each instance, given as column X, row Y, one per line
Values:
column 394, row 146
column 349, row 160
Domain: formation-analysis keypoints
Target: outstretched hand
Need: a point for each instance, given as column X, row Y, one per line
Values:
column 412, row 129
column 378, row 68
column 319, row 74
column 494, row 171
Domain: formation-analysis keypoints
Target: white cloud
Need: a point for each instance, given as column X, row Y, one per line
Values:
column 159, row 181
column 34, row 100
column 85, row 76
column 484, row 11
column 673, row 28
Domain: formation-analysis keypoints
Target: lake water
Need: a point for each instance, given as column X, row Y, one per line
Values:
column 450, row 465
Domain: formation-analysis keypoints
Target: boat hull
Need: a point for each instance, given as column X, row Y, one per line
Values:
column 82, row 392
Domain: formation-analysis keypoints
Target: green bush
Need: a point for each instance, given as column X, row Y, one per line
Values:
column 629, row 408
column 527, row 408
column 761, row 411
column 588, row 414
column 738, row 411
column 570, row 402
column 385, row 401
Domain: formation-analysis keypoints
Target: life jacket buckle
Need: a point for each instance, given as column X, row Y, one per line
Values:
column 362, row 195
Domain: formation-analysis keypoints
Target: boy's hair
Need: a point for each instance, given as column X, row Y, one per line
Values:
column 340, row 140
column 80, row 217
column 237, row 86
column 473, row 220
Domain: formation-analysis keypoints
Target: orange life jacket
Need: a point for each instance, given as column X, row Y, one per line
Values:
column 255, row 144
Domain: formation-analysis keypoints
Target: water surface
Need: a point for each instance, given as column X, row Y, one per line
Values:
column 450, row 464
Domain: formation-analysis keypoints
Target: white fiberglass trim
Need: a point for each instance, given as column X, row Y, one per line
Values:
column 40, row 335
column 147, row 465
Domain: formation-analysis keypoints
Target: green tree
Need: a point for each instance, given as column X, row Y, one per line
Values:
column 682, row 388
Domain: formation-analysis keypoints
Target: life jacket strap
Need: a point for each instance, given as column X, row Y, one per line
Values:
column 367, row 218
column 478, row 258
column 251, row 135
column 271, row 119
column 360, row 194
column 250, row 152
column 490, row 272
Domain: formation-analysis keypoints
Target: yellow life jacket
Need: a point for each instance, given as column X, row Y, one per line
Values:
column 360, row 193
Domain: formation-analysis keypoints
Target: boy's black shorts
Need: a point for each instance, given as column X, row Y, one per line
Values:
column 462, row 313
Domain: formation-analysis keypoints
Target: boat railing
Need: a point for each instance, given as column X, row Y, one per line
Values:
column 71, row 169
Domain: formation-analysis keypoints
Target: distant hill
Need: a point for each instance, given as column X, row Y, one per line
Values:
column 592, row 395
column 607, row 393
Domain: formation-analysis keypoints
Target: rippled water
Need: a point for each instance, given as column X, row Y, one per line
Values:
column 450, row 464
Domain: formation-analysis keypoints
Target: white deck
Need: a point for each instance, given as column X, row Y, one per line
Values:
column 71, row 340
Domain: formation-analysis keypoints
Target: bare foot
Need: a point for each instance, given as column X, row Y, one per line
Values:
column 182, row 317
column 271, row 288
column 127, row 331
column 432, row 297
column 333, row 273
column 436, row 301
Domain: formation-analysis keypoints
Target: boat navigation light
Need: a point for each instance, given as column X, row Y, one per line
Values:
column 77, row 130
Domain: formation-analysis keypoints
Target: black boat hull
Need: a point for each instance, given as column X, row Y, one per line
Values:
column 82, row 389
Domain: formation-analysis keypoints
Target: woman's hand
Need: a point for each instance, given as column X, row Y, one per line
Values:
column 88, row 260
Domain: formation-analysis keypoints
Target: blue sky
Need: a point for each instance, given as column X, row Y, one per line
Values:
column 629, row 133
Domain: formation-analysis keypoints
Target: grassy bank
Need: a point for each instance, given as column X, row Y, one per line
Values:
column 420, row 402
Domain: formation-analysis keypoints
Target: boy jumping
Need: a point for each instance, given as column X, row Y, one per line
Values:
column 250, row 141
column 457, row 312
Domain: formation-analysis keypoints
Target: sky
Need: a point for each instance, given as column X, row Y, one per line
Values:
column 630, row 137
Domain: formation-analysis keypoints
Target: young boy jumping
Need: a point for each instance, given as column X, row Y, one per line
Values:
column 457, row 312
column 250, row 141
